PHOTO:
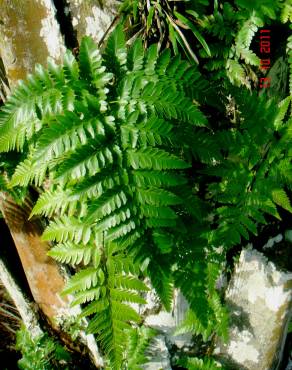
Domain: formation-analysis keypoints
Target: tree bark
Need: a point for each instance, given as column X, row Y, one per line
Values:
column 42, row 272
column 29, row 34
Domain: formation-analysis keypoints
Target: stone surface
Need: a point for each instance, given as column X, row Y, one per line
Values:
column 92, row 19
column 259, row 300
column 160, row 359
column 271, row 242
column 165, row 323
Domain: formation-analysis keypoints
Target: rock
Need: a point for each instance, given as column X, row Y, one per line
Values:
column 289, row 366
column 92, row 19
column 165, row 323
column 258, row 298
column 23, row 305
column 272, row 241
column 160, row 358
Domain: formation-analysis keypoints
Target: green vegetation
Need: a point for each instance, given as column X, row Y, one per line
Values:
column 41, row 352
column 153, row 167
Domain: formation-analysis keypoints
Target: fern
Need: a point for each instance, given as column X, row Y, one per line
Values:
column 255, row 186
column 138, row 346
column 105, row 128
column 194, row 363
column 135, row 170
column 112, row 291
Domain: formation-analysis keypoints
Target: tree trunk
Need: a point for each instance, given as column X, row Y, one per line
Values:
column 42, row 272
column 29, row 34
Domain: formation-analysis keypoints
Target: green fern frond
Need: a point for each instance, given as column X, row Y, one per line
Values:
column 281, row 198
column 27, row 172
column 162, row 282
column 235, row 72
column 83, row 280
column 156, row 159
column 286, row 13
column 86, row 160
column 73, row 254
column 58, row 201
column 193, row 324
column 138, row 345
column 67, row 229
column 194, row 363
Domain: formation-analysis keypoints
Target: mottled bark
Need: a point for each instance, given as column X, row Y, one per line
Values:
column 29, row 33
column 259, row 298
column 42, row 272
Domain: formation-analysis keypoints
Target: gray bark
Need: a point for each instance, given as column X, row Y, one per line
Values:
column 29, row 34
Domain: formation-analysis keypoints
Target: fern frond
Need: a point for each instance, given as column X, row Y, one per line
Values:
column 138, row 345
column 162, row 281
column 28, row 171
column 157, row 179
column 82, row 281
column 86, row 160
column 106, row 204
column 194, row 363
column 73, row 254
column 156, row 159
column 281, row 198
column 193, row 324
column 57, row 201
column 129, row 282
column 67, row 229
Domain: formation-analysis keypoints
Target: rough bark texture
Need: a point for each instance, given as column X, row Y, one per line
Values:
column 42, row 272
column 29, row 33
column 91, row 18
column 259, row 299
